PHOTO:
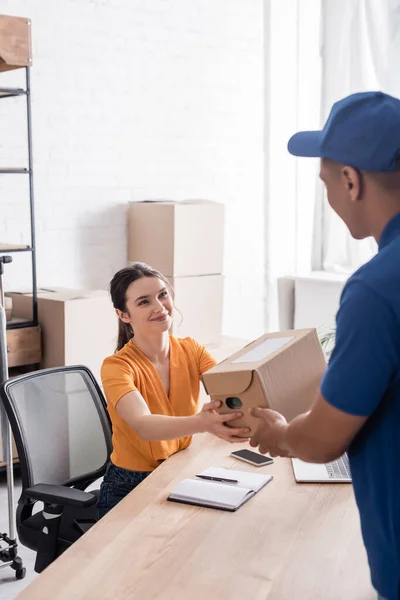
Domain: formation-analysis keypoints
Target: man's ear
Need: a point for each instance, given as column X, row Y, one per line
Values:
column 123, row 316
column 352, row 180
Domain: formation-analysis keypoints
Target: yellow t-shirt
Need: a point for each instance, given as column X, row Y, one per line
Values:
column 130, row 370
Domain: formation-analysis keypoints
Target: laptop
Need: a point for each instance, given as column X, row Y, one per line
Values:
column 337, row 471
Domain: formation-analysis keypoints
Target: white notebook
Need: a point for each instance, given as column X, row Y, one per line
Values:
column 219, row 494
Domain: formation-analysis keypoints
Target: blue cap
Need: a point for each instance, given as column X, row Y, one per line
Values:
column 362, row 131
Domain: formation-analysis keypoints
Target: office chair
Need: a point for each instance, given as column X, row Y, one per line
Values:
column 63, row 437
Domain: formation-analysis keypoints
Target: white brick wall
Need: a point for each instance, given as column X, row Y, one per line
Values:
column 136, row 99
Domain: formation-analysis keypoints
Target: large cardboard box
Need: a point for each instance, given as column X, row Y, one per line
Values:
column 8, row 308
column 281, row 371
column 15, row 42
column 180, row 239
column 78, row 326
column 2, row 454
column 198, row 308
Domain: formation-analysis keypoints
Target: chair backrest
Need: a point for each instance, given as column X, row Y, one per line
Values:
column 61, row 428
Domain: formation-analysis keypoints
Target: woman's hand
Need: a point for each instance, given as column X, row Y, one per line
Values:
column 214, row 423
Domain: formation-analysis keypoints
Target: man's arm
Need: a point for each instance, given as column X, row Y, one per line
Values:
column 364, row 362
column 324, row 433
column 320, row 435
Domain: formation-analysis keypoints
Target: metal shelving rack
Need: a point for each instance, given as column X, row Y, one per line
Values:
column 16, row 53
column 31, row 248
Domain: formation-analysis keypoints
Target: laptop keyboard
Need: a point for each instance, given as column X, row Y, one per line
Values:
column 339, row 469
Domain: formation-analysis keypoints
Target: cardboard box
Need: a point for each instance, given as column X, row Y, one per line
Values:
column 78, row 326
column 8, row 308
column 180, row 239
column 24, row 346
column 15, row 43
column 281, row 371
column 200, row 301
column 14, row 450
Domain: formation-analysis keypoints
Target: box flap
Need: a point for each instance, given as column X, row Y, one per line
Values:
column 176, row 202
column 63, row 294
column 154, row 202
column 18, row 293
column 199, row 201
column 227, row 383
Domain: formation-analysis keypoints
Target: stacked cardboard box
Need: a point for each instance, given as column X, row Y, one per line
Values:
column 8, row 308
column 78, row 326
column 184, row 240
column 15, row 46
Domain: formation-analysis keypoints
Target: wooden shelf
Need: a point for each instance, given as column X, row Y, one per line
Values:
column 13, row 171
column 3, row 464
column 17, row 321
column 13, row 247
column 10, row 92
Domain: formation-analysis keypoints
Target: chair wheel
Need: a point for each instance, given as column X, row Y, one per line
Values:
column 20, row 574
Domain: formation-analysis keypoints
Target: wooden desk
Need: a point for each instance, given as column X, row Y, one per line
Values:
column 289, row 542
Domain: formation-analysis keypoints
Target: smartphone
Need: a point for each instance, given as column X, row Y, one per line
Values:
column 254, row 458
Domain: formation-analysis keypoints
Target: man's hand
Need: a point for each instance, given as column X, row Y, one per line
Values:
column 270, row 433
column 319, row 436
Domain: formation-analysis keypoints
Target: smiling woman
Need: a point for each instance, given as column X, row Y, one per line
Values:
column 152, row 384
column 148, row 301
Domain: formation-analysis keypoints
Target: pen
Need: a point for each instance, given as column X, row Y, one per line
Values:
column 221, row 479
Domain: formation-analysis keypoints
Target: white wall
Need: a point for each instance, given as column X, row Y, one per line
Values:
column 293, row 98
column 360, row 53
column 138, row 99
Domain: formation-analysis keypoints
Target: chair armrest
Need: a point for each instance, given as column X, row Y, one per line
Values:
column 60, row 494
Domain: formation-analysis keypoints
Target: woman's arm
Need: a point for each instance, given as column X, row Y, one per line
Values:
column 133, row 409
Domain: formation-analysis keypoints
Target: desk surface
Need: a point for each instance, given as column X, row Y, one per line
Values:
column 289, row 541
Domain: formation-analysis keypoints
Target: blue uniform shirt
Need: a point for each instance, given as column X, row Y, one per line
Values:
column 363, row 379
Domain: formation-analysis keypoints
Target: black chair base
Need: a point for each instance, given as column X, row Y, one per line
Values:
column 9, row 556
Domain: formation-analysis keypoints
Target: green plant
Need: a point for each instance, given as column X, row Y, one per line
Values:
column 327, row 341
